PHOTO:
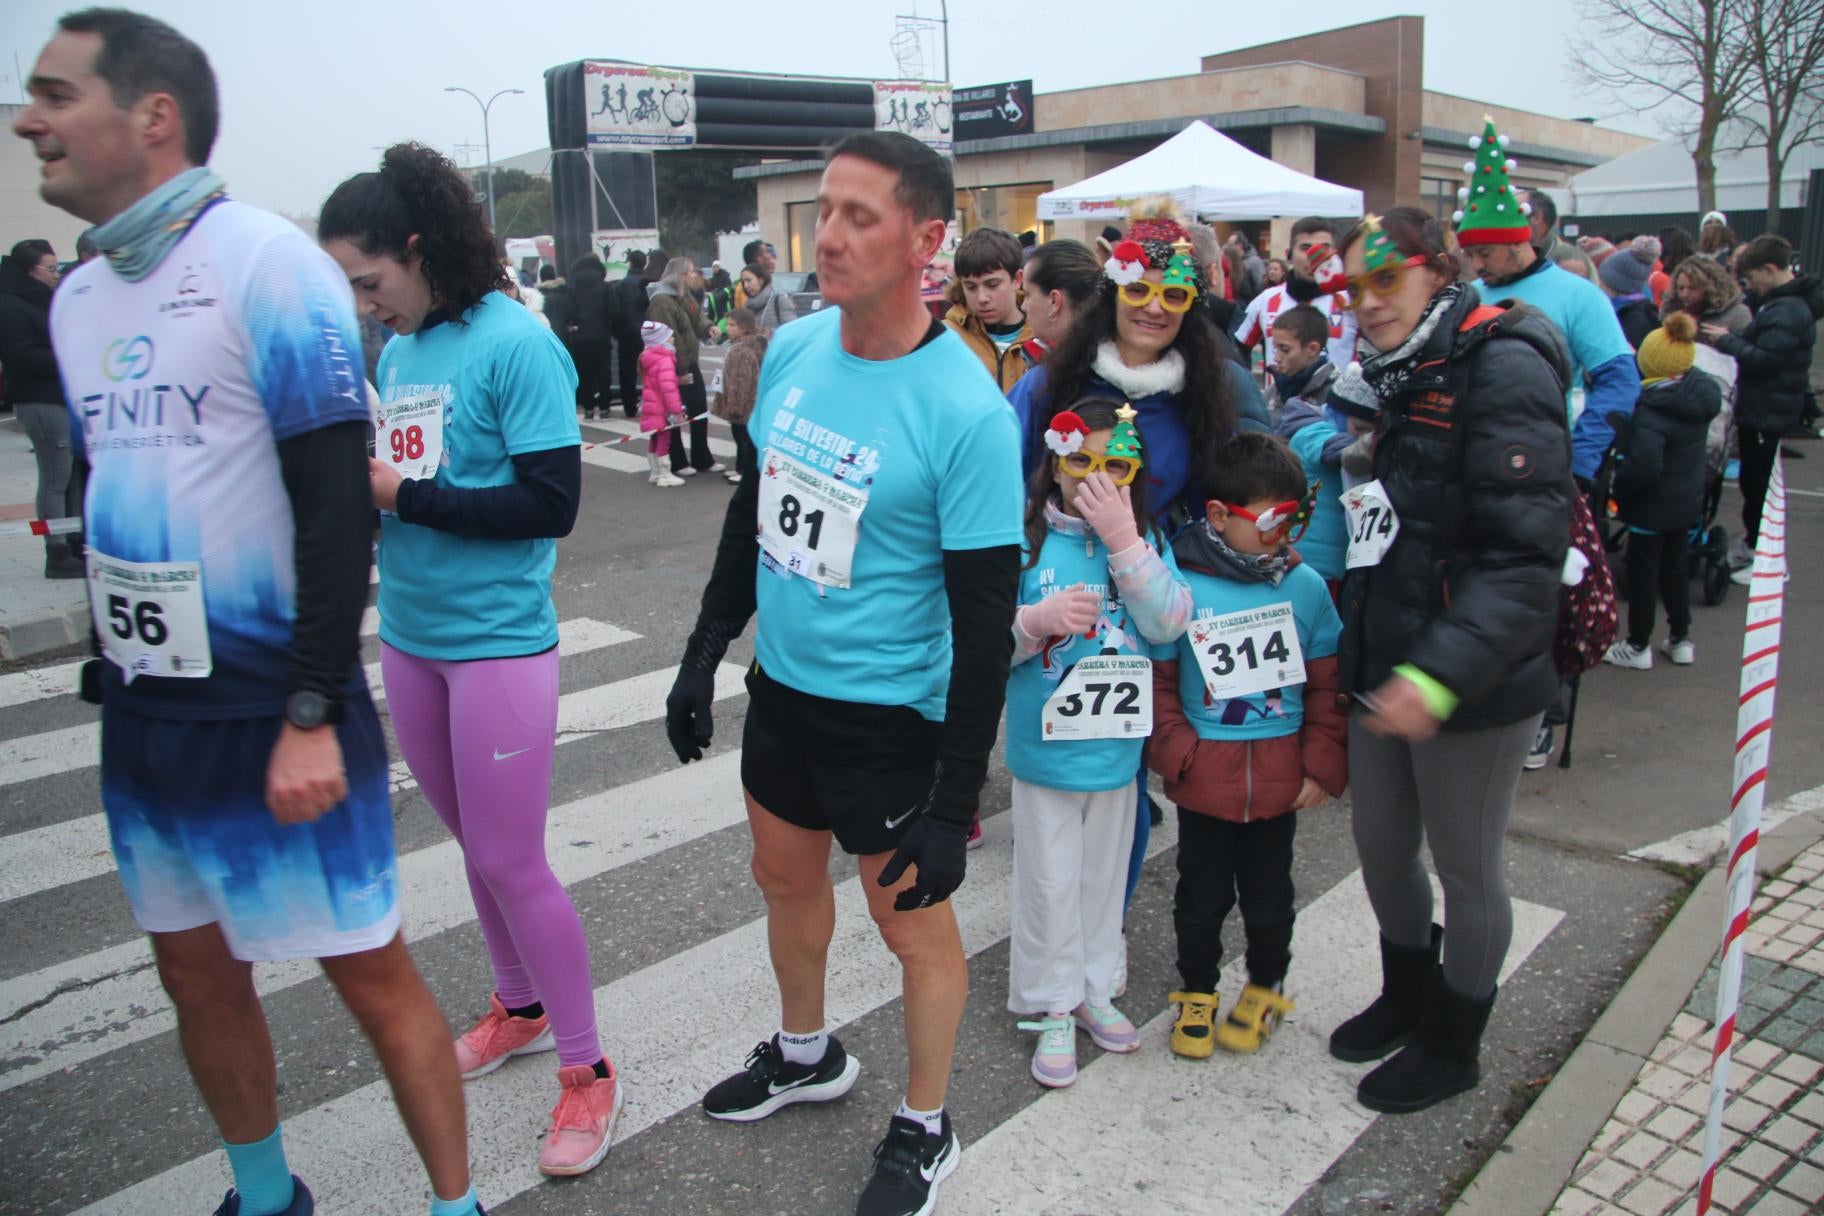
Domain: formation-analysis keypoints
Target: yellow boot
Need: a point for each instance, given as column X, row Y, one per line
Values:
column 1257, row 1014
column 1192, row 1032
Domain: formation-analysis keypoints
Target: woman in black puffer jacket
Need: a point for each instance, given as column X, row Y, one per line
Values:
column 1449, row 614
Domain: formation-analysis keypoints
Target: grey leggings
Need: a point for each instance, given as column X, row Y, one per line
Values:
column 48, row 427
column 1454, row 792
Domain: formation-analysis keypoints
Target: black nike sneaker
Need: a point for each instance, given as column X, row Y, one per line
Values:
column 909, row 1166
column 772, row 1081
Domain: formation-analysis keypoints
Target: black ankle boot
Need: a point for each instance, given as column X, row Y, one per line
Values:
column 1440, row 1063
column 1389, row 1023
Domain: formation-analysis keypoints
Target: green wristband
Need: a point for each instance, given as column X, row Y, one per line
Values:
column 1438, row 699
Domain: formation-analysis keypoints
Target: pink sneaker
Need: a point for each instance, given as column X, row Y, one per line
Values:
column 490, row 1042
column 582, row 1122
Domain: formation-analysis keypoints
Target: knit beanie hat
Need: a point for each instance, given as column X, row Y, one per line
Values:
column 1351, row 394
column 1625, row 272
column 1670, row 350
column 654, row 333
column 1491, row 213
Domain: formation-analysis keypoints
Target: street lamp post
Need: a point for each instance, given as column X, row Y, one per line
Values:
column 487, row 144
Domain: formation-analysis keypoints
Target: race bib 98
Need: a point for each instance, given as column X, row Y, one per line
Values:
column 408, row 435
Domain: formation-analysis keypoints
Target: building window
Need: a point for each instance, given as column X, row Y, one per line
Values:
column 1013, row 208
column 801, row 236
column 1440, row 196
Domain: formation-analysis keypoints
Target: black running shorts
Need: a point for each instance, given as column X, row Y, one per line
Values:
column 858, row 771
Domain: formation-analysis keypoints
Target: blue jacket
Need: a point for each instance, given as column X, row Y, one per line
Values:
column 1319, row 443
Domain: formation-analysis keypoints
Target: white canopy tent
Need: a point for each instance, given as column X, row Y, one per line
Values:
column 1660, row 180
column 1207, row 174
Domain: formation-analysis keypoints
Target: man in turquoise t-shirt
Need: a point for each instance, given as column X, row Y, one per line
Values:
column 888, row 513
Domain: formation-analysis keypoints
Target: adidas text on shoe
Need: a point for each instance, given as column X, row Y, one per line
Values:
column 770, row 1081
column 497, row 1038
column 909, row 1165
column 1625, row 654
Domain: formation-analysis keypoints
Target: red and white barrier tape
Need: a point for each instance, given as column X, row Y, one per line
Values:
column 1753, row 743
column 40, row 527
column 615, row 443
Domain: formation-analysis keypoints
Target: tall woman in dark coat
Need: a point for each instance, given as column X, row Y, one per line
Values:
column 1449, row 613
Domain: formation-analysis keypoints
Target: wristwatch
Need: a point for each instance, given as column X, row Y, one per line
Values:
column 308, row 710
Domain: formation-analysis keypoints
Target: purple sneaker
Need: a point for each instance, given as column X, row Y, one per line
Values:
column 1107, row 1026
column 1054, row 1061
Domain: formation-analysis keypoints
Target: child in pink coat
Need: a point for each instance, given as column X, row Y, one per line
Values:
column 660, row 406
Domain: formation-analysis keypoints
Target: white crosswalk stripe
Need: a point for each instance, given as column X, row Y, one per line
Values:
column 1289, row 1114
column 65, row 751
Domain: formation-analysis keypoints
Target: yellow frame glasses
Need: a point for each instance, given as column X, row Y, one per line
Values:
column 1175, row 298
column 1081, row 464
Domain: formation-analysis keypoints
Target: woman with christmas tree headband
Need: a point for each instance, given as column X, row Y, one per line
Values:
column 1141, row 338
column 1450, row 609
column 1099, row 593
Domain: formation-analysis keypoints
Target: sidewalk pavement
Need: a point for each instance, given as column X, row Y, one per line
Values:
column 37, row 614
column 1620, row 1129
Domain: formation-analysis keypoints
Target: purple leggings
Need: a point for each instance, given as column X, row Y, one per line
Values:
column 478, row 736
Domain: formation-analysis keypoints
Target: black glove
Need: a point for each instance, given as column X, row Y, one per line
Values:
column 939, row 849
column 88, row 682
column 687, row 719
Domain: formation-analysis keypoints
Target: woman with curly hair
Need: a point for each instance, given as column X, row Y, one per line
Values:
column 478, row 473
column 1702, row 288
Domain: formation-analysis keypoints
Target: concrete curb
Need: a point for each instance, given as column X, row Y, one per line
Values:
column 38, row 632
column 1532, row 1166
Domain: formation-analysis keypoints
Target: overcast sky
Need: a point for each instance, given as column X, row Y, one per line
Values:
column 310, row 89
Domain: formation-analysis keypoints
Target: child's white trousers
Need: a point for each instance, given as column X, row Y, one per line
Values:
column 1070, row 855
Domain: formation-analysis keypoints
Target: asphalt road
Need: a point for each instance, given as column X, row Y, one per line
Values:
column 100, row 1111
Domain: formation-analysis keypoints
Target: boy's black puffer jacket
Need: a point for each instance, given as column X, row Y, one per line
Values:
column 1659, row 474
column 1475, row 455
column 1774, row 353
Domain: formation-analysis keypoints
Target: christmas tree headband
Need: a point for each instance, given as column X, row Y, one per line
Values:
column 1491, row 213
column 1067, row 432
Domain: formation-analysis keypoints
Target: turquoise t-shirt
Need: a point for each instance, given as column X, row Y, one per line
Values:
column 508, row 387
column 1325, row 544
column 1263, row 715
column 1073, row 764
column 931, row 446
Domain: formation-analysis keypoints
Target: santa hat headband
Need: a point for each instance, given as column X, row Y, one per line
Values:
column 1066, row 433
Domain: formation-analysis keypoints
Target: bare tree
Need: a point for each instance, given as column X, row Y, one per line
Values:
column 1785, row 84
column 1690, row 55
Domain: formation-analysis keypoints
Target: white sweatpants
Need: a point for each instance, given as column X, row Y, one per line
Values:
column 1069, row 874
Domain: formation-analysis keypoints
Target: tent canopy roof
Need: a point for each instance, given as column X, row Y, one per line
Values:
column 1660, row 180
column 1206, row 173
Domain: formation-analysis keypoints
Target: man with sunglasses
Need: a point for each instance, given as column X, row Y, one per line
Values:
column 1313, row 240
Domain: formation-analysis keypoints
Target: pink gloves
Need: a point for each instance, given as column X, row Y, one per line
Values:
column 1109, row 511
column 1072, row 610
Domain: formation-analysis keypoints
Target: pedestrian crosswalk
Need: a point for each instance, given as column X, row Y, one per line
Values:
column 77, row 1004
column 601, row 451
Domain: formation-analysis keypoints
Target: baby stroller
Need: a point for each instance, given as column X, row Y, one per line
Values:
column 1709, row 547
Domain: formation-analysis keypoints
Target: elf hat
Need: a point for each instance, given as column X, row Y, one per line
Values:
column 1492, row 214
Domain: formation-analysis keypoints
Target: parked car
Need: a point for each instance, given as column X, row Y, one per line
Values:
column 801, row 286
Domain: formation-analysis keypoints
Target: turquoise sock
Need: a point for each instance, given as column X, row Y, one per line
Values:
column 468, row 1205
column 261, row 1176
